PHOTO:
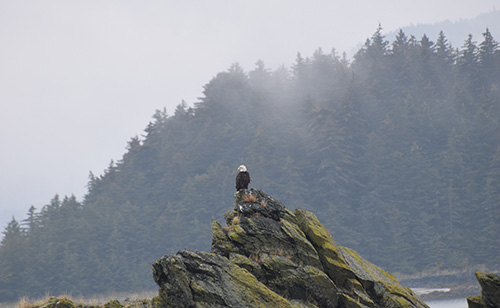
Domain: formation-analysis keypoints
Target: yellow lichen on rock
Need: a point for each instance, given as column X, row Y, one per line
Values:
column 476, row 302
column 384, row 284
column 353, row 273
column 490, row 291
column 328, row 251
column 236, row 234
column 113, row 304
column 365, row 269
column 254, row 292
column 220, row 241
column 312, row 227
column 349, row 302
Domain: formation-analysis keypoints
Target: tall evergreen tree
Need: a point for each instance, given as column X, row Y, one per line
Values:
column 489, row 60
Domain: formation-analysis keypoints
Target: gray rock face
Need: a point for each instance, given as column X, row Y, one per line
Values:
column 200, row 279
column 490, row 292
column 271, row 257
column 490, row 289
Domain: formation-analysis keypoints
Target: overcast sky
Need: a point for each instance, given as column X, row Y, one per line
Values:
column 78, row 79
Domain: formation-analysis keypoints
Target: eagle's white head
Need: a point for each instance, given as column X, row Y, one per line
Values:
column 242, row 168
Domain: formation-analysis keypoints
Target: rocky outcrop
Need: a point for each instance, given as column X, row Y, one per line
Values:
column 61, row 302
column 268, row 256
column 65, row 302
column 490, row 292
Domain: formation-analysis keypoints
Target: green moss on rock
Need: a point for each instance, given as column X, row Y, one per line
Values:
column 302, row 304
column 221, row 244
column 254, row 292
column 248, row 264
column 490, row 288
column 346, row 268
column 142, row 303
column 476, row 302
column 364, row 269
column 158, row 302
column 348, row 302
column 209, row 280
column 62, row 302
column 382, row 284
column 113, row 304
column 490, row 291
column 302, row 249
column 333, row 263
column 236, row 234
column 396, row 302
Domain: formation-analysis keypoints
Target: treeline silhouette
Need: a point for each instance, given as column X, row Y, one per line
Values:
column 397, row 151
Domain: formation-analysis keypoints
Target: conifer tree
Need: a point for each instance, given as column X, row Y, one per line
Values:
column 488, row 58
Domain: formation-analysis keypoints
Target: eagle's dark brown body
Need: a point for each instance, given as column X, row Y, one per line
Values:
column 242, row 180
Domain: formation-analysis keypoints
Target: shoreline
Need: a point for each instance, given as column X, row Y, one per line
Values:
column 443, row 285
column 452, row 292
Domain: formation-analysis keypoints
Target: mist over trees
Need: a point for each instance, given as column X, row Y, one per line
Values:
column 397, row 151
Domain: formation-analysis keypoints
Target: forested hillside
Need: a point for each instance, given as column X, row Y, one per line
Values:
column 397, row 151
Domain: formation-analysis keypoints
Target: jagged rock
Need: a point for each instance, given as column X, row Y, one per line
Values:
column 252, row 202
column 200, row 279
column 357, row 278
column 272, row 257
column 476, row 302
column 326, row 247
column 490, row 292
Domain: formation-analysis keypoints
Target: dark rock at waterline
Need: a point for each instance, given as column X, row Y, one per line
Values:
column 272, row 257
column 490, row 292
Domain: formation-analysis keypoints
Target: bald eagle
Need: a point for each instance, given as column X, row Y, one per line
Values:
column 243, row 178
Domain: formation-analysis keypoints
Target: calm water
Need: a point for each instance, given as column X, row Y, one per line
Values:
column 448, row 303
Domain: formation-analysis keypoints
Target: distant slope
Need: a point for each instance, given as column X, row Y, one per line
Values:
column 456, row 32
